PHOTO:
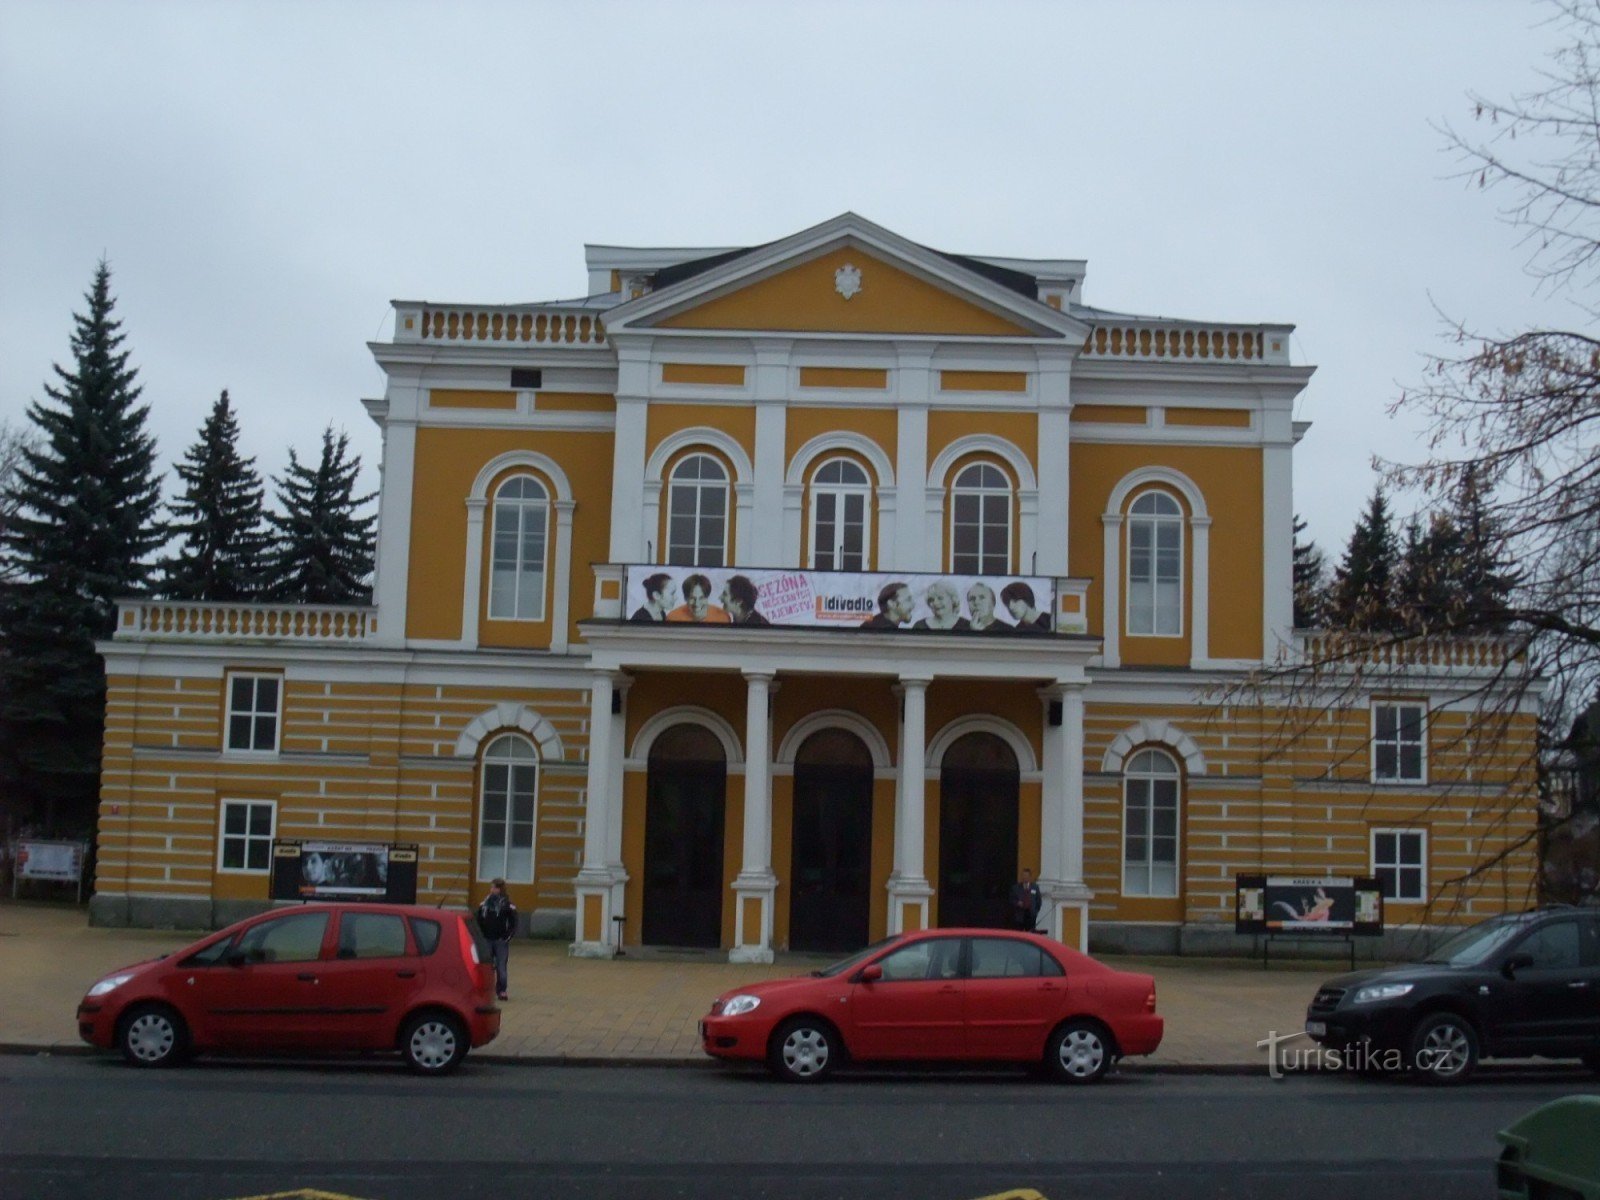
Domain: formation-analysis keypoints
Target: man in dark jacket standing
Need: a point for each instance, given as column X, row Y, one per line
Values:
column 1025, row 902
column 497, row 921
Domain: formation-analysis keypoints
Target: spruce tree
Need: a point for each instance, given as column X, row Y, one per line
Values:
column 219, row 517
column 85, row 497
column 1427, row 588
column 1485, row 575
column 324, row 548
column 1310, row 586
column 1362, row 595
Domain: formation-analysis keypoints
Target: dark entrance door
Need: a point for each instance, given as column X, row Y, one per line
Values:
column 684, row 806
column 979, row 787
column 831, row 864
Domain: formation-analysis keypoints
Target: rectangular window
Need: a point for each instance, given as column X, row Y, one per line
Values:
column 1155, row 578
column 245, row 843
column 1399, row 860
column 1397, row 743
column 254, row 712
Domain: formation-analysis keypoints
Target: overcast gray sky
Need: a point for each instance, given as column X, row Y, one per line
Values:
column 265, row 177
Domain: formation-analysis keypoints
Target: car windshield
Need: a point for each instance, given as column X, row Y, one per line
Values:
column 846, row 965
column 1471, row 946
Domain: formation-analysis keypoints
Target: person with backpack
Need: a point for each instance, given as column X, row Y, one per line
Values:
column 497, row 921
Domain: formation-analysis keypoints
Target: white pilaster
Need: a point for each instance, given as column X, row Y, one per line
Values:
column 913, row 378
column 472, row 590
column 771, row 384
column 1055, row 438
column 561, row 591
column 755, row 885
column 909, row 890
column 394, row 526
column 1111, row 593
column 1277, row 531
column 1061, row 818
column 593, row 885
column 629, row 528
column 1200, row 602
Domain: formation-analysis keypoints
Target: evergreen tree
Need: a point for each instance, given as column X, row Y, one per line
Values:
column 1362, row 595
column 1310, row 583
column 1485, row 577
column 85, row 497
column 1427, row 586
column 219, row 517
column 324, row 551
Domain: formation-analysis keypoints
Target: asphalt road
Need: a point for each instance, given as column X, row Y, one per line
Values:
column 92, row 1128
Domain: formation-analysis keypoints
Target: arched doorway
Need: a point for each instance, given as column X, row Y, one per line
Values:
column 684, row 808
column 830, row 866
column 979, row 788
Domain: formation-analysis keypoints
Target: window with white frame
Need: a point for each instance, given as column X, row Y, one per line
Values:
column 1155, row 566
column 1398, row 754
column 841, row 504
column 980, row 521
column 697, row 513
column 254, row 712
column 1150, row 825
column 1399, row 860
column 517, row 564
column 508, row 800
column 245, row 838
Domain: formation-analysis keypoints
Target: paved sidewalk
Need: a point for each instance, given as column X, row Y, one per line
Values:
column 633, row 1009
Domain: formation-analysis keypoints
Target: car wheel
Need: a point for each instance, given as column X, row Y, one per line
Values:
column 152, row 1035
column 1079, row 1052
column 1444, row 1049
column 433, row 1043
column 803, row 1050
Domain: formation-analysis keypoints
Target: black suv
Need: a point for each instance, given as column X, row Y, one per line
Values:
column 1512, row 987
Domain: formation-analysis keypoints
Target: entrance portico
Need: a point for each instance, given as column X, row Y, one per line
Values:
column 898, row 668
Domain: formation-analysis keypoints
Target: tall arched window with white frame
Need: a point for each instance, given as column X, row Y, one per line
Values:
column 508, row 795
column 1150, row 804
column 841, row 516
column 697, row 513
column 517, row 564
column 1155, row 566
column 980, row 521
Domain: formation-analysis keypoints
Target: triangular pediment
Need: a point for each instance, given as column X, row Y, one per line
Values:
column 848, row 277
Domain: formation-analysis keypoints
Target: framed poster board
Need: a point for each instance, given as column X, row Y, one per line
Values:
column 1338, row 905
column 378, row 871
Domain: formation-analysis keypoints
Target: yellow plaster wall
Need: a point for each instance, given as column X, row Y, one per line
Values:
column 715, row 374
column 844, row 377
column 804, row 298
column 1021, row 429
column 459, row 398
column 1109, row 414
column 573, row 402
column 983, row 381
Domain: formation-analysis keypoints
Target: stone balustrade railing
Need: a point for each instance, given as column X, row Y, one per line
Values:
column 1379, row 652
column 208, row 621
column 507, row 325
column 1134, row 338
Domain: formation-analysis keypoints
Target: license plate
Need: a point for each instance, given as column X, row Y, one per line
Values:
column 1317, row 1028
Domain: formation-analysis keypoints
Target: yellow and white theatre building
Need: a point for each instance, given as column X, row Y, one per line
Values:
column 853, row 426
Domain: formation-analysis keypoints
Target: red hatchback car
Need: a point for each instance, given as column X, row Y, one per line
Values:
column 320, row 977
column 973, row 995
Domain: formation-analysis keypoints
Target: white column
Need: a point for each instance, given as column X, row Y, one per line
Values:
column 394, row 527
column 561, row 592
column 913, row 387
column 593, row 884
column 1277, row 531
column 472, row 593
column 755, row 884
column 1061, row 817
column 1111, row 592
column 771, row 384
column 908, row 885
column 1054, row 441
column 629, row 529
column 1200, row 602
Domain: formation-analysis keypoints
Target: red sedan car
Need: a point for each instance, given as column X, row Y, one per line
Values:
column 320, row 977
column 974, row 995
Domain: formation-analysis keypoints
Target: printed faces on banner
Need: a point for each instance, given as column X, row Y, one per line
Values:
column 840, row 600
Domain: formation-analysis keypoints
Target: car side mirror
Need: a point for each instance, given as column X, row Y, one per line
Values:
column 1515, row 963
column 870, row 973
column 236, row 958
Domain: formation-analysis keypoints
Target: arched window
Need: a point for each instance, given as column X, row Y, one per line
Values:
column 507, row 802
column 516, row 572
column 980, row 521
column 697, row 513
column 1155, row 566
column 1150, row 825
column 841, row 506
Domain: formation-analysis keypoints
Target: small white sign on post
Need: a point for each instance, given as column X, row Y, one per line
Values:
column 57, row 862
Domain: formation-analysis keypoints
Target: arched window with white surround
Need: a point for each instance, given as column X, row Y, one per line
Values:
column 841, row 516
column 1155, row 566
column 980, row 521
column 518, row 541
column 508, row 794
column 697, row 513
column 1150, row 803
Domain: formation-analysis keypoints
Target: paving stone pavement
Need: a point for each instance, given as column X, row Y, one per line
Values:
column 639, row 1008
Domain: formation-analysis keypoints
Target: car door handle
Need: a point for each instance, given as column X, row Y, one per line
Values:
column 949, row 987
column 406, row 974
column 306, row 978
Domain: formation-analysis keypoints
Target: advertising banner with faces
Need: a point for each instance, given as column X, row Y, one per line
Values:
column 1016, row 604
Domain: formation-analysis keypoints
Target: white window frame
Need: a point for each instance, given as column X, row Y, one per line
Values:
column 1421, row 866
column 487, row 870
column 841, row 492
column 222, row 835
column 228, row 714
column 1129, row 774
column 1399, row 743
column 524, row 506
column 1156, row 521
column 700, row 486
column 983, row 491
